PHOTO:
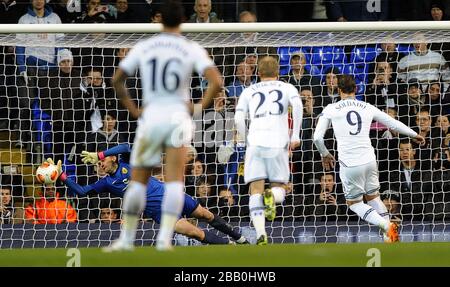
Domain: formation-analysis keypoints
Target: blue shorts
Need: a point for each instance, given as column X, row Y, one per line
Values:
column 153, row 207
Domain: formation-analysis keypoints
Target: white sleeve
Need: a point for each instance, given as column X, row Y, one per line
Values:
column 297, row 114
column 131, row 62
column 321, row 128
column 239, row 117
column 392, row 123
column 202, row 61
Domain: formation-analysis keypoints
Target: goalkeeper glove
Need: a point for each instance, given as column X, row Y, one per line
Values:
column 89, row 157
column 224, row 153
column 58, row 165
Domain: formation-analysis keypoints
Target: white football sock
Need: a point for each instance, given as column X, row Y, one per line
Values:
column 256, row 207
column 369, row 214
column 379, row 206
column 172, row 205
column 278, row 194
column 133, row 205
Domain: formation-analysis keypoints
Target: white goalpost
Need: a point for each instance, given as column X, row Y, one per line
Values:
column 52, row 110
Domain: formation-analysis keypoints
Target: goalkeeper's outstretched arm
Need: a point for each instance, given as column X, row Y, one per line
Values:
column 94, row 157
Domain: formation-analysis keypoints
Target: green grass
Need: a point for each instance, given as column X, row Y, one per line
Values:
column 402, row 254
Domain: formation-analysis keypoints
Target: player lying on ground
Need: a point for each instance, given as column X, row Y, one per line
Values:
column 268, row 140
column 116, row 181
column 351, row 120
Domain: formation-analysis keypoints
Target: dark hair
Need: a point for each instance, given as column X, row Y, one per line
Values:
column 346, row 83
column 405, row 141
column 111, row 113
column 172, row 13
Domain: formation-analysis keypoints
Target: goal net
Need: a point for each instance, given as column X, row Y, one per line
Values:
column 57, row 100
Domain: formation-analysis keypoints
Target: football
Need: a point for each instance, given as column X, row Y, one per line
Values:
column 47, row 173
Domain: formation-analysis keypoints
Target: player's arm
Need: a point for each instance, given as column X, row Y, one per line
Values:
column 118, row 82
column 397, row 126
column 94, row 157
column 327, row 158
column 239, row 116
column 127, row 67
column 215, row 85
column 75, row 188
column 205, row 66
column 297, row 117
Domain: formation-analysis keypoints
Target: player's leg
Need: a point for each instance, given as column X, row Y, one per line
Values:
column 218, row 223
column 256, row 206
column 255, row 174
column 184, row 227
column 354, row 180
column 277, row 165
column 133, row 205
column 372, row 197
column 173, row 199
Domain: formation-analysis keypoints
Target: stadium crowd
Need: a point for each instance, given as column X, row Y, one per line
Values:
column 68, row 92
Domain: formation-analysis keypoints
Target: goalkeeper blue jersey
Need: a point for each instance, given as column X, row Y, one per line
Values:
column 117, row 183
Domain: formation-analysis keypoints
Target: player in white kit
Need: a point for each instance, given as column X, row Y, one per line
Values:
column 268, row 140
column 165, row 62
column 351, row 120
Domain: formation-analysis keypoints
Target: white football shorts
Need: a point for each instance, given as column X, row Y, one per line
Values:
column 359, row 180
column 160, row 127
column 266, row 163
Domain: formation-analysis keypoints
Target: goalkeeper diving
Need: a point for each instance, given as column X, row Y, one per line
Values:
column 115, row 182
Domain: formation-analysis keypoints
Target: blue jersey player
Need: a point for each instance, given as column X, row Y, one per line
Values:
column 116, row 181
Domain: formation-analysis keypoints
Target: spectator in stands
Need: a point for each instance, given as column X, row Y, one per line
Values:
column 365, row 10
column 6, row 208
column 325, row 203
column 436, row 99
column 422, row 64
column 437, row 13
column 96, row 13
column 382, row 92
column 50, row 209
column 33, row 62
column 243, row 79
column 302, row 158
column 423, row 127
column 329, row 88
column 411, row 103
column 203, row 13
column 441, row 140
column 68, row 10
column 392, row 201
column 393, row 56
column 109, row 215
column 205, row 195
column 124, row 13
column 10, row 13
column 413, row 180
column 97, row 98
column 195, row 173
column 299, row 77
column 60, row 97
column 156, row 16
column 248, row 17
column 441, row 126
column 106, row 137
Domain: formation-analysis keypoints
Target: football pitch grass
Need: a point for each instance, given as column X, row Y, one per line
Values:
column 277, row 255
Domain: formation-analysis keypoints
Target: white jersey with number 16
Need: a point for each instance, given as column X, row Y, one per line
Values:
column 166, row 63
